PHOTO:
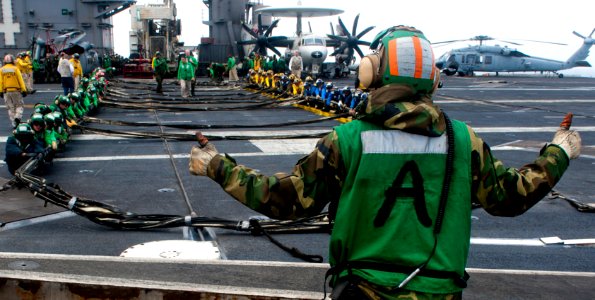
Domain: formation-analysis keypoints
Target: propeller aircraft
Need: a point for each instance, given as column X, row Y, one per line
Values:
column 311, row 46
column 487, row 58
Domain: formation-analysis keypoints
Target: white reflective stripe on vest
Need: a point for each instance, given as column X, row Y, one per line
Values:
column 400, row 142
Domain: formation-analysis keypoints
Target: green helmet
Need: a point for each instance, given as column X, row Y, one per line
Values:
column 37, row 118
column 57, row 117
column 41, row 108
column 49, row 119
column 64, row 100
column 23, row 130
column 403, row 55
column 76, row 96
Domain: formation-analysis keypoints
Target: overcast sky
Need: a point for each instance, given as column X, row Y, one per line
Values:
column 439, row 20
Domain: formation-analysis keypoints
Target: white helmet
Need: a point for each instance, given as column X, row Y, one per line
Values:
column 8, row 59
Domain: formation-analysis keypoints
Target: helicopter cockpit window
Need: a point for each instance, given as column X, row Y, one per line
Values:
column 488, row 60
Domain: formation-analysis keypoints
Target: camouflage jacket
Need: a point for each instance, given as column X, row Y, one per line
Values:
column 317, row 178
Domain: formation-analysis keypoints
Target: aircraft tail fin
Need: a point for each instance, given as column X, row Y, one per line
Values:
column 578, row 58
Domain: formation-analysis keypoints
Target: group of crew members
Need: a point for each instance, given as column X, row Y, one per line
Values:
column 316, row 93
column 49, row 126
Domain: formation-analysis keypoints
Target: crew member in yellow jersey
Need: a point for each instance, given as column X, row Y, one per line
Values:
column 78, row 70
column 12, row 89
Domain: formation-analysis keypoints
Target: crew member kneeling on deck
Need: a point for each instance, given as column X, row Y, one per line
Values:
column 21, row 146
column 400, row 179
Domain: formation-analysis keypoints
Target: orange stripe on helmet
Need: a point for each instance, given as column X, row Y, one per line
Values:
column 433, row 74
column 393, row 64
column 418, row 57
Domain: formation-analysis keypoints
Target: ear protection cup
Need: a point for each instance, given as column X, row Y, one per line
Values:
column 437, row 81
column 370, row 69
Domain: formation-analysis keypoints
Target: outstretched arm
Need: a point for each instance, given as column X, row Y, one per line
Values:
column 316, row 180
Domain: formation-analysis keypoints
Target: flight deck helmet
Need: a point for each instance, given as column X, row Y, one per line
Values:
column 402, row 55
column 8, row 59
column 24, row 132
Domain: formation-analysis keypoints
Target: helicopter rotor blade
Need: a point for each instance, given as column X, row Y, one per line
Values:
column 448, row 42
column 590, row 35
column 514, row 43
column 546, row 42
column 579, row 35
column 332, row 29
column 354, row 31
column 310, row 26
column 365, row 43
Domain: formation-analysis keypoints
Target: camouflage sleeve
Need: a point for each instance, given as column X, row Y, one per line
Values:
column 503, row 191
column 315, row 181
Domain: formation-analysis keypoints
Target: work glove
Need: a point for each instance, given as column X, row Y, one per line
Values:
column 71, row 123
column 201, row 155
column 24, row 94
column 568, row 140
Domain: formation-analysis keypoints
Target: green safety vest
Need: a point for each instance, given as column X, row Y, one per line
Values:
column 384, row 243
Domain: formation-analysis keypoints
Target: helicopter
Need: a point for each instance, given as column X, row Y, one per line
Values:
column 488, row 58
column 311, row 46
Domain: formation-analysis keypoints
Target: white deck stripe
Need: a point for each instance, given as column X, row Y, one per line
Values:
column 522, row 101
column 483, row 88
column 99, row 137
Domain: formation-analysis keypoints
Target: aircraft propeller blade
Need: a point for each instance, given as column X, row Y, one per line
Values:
column 270, row 29
column 339, row 50
column 355, row 25
column 251, row 42
column 359, row 51
column 343, row 27
column 339, row 38
column 361, row 34
column 276, row 38
column 275, row 50
column 249, row 30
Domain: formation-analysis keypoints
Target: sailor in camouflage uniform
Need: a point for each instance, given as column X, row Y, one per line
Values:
column 384, row 175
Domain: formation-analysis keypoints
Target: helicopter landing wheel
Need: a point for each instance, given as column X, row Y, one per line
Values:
column 560, row 75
